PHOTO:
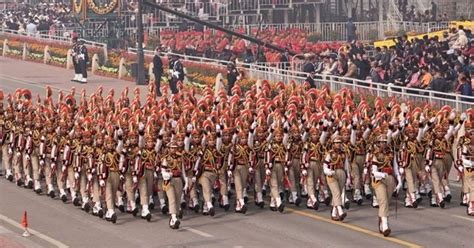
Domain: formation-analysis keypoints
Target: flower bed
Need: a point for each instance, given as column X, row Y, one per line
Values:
column 15, row 48
column 36, row 52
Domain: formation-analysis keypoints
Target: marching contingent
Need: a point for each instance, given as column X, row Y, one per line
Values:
column 108, row 152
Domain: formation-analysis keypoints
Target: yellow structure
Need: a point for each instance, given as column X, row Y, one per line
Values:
column 455, row 24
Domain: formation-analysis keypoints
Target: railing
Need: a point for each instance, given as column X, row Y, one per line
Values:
column 335, row 83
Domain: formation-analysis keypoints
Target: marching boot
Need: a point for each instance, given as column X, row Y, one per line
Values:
column 380, row 225
column 273, row 204
column 242, row 207
column 385, row 229
column 133, row 208
column 225, row 203
column 296, row 198
column 120, row 204
column 413, row 199
column 195, row 205
column 375, row 203
column 418, row 197
column 447, row 193
column 183, row 202
column 151, row 202
column 246, row 197
column 146, row 213
column 29, row 182
column 19, row 182
column 79, row 78
column 97, row 210
column 75, row 199
column 83, row 80
column 327, row 198
column 280, row 205
column 408, row 203
column 259, row 202
column 9, row 175
column 442, row 203
column 470, row 209
column 38, row 187
column 180, row 214
column 347, row 203
column 312, row 203
column 434, row 202
column 422, row 190
column 358, row 197
column 62, row 195
column 85, row 204
column 164, row 207
column 76, row 77
column 174, row 222
column 465, row 200
column 111, row 216
column 51, row 191
column 304, row 192
column 210, row 208
column 341, row 213
column 334, row 215
column 367, row 192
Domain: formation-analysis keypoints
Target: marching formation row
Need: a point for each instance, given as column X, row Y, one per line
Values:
column 306, row 142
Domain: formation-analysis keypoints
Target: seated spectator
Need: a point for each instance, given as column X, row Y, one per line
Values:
column 439, row 83
column 464, row 87
column 352, row 71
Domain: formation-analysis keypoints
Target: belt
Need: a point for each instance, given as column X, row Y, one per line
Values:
column 470, row 170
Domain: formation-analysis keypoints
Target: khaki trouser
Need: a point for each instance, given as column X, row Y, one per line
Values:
column 336, row 184
column 35, row 164
column 83, row 184
column 192, row 191
column 276, row 180
column 174, row 190
column 314, row 172
column 383, row 191
column 111, row 188
column 469, row 182
column 129, row 186
column 17, row 161
column 437, row 172
column 6, row 158
column 240, row 180
column 145, row 185
column 61, row 183
column 159, row 185
column 47, row 171
column 357, row 169
column 420, row 169
column 207, row 180
column 410, row 174
column 294, row 175
column 73, row 184
column 222, row 177
column 26, row 165
column 97, row 194
column 259, row 173
column 448, row 164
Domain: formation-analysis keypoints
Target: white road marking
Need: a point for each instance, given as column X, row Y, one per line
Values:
column 464, row 218
column 201, row 233
column 44, row 237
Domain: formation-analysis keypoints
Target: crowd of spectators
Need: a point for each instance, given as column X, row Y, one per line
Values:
column 44, row 18
column 443, row 64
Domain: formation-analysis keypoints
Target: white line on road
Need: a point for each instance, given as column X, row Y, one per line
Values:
column 464, row 218
column 34, row 232
column 207, row 235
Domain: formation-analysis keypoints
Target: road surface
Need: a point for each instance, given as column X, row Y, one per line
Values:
column 55, row 224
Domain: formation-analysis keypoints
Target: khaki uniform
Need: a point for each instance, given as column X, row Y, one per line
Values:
column 111, row 160
column 146, row 180
column 435, row 156
column 337, row 181
column 382, row 162
column 173, row 187
column 313, row 157
column 209, row 174
column 6, row 139
column 241, row 156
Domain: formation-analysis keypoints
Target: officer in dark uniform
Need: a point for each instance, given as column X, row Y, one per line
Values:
column 157, row 70
column 177, row 73
column 83, row 59
column 232, row 74
column 75, row 59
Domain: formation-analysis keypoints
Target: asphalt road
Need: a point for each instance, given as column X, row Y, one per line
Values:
column 54, row 224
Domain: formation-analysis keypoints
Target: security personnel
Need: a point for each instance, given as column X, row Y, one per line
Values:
column 276, row 157
column 75, row 51
column 83, row 59
column 465, row 163
column 232, row 76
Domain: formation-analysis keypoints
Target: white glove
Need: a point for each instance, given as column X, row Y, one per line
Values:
column 10, row 151
column 176, row 74
column 427, row 168
column 189, row 127
column 422, row 118
column 170, row 71
column 461, row 168
column 306, row 165
column 399, row 186
column 166, row 175
column 452, row 115
column 141, row 126
column 433, row 119
column 18, row 154
column 89, row 177
column 328, row 172
column 82, row 56
column 174, row 124
column 366, row 171
column 155, row 175
column 102, row 183
column 268, row 172
column 135, row 179
column 28, row 157
column 254, row 125
column 63, row 168
column 250, row 170
column 122, row 178
column 52, row 165
column 229, row 173
column 401, row 170
column 76, row 175
column 286, row 169
column 120, row 132
column 304, row 172
column 41, row 162
column 193, row 179
column 354, row 120
column 463, row 116
column 218, row 127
